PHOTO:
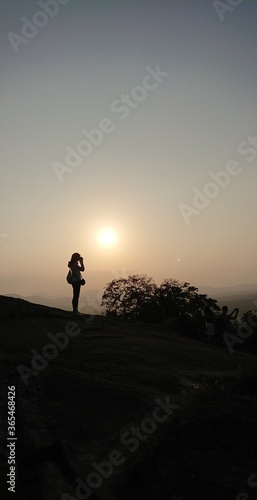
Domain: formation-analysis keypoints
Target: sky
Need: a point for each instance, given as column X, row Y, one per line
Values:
column 135, row 116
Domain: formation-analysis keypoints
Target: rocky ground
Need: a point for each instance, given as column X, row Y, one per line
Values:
column 119, row 410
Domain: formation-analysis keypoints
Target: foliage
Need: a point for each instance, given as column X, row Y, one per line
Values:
column 178, row 299
column 138, row 297
column 247, row 330
column 126, row 297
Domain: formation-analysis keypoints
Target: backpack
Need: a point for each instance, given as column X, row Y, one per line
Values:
column 69, row 277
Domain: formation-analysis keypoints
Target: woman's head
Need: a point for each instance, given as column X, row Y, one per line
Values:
column 74, row 258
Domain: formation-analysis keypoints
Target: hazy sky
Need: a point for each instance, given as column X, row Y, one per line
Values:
column 172, row 86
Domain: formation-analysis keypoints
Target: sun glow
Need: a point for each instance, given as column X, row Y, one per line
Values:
column 107, row 237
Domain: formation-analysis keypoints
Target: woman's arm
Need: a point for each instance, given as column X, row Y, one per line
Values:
column 82, row 267
column 234, row 313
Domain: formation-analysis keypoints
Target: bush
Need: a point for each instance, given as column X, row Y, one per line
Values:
column 138, row 297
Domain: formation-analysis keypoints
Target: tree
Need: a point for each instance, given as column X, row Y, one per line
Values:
column 247, row 330
column 172, row 295
column 177, row 299
column 128, row 297
column 183, row 301
column 138, row 297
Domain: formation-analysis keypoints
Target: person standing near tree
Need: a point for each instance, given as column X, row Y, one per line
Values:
column 209, row 318
column 223, row 324
column 225, row 319
column 76, row 266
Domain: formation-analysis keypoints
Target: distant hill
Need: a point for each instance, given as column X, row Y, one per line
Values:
column 88, row 304
column 229, row 290
column 242, row 296
column 107, row 409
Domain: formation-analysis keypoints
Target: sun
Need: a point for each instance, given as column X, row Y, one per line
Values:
column 107, row 237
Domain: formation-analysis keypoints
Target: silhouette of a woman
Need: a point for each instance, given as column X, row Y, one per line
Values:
column 76, row 266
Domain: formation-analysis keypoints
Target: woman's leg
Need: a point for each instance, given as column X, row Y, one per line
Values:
column 75, row 299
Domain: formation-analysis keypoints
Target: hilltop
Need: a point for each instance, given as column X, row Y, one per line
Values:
column 130, row 410
column 242, row 296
